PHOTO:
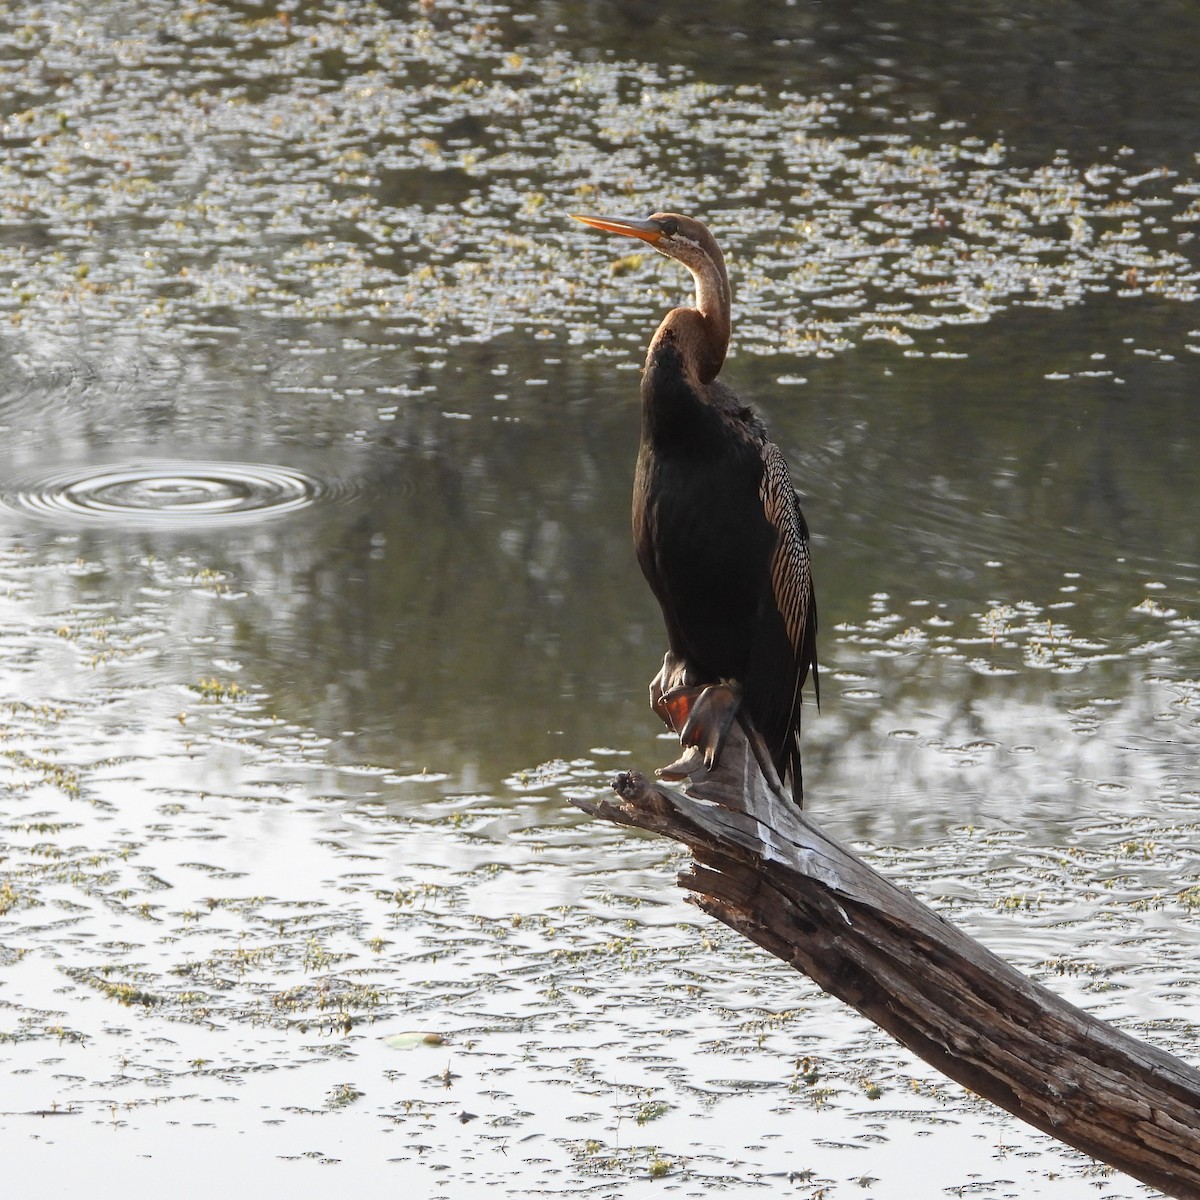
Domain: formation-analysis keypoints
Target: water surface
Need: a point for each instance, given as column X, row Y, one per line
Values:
column 317, row 419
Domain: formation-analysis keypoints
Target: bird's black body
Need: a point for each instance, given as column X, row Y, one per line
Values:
column 699, row 531
column 717, row 525
column 705, row 544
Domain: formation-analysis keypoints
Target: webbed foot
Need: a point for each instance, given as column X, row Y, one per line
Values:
column 702, row 716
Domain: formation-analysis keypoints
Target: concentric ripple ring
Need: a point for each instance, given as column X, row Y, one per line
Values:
column 168, row 493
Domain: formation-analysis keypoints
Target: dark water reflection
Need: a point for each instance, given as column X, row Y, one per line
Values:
column 469, row 604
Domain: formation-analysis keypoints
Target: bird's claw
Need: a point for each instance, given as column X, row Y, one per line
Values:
column 702, row 717
column 689, row 763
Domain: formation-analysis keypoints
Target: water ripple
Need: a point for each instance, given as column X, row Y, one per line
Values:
column 167, row 493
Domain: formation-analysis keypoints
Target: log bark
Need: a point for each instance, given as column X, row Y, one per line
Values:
column 769, row 872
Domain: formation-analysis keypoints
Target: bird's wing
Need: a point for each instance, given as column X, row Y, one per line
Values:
column 791, row 563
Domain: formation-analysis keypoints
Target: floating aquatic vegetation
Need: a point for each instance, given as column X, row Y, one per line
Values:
column 413, row 173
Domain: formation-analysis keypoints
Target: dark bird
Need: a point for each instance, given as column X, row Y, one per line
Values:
column 717, row 527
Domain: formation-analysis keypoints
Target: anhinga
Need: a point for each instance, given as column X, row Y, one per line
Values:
column 717, row 526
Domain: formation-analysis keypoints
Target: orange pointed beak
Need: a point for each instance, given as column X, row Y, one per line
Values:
column 647, row 231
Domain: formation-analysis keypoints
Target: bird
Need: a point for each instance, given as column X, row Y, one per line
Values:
column 717, row 528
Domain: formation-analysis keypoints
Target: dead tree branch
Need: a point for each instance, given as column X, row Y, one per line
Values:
column 766, row 870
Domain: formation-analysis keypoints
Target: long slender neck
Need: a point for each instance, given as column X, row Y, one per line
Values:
column 702, row 343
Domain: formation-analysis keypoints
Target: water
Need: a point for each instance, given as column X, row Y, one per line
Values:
column 167, row 493
column 317, row 420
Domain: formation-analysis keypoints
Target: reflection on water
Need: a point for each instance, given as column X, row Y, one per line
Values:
column 273, row 788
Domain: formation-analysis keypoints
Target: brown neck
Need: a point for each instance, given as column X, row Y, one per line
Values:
column 702, row 333
column 701, row 347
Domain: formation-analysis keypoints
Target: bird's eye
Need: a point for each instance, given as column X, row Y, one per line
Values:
column 670, row 227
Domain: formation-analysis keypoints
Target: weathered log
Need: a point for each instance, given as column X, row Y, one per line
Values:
column 768, row 871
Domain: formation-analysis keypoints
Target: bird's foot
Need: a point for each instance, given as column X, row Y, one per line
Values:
column 702, row 716
column 672, row 676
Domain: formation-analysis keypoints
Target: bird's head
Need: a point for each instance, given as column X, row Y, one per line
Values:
column 678, row 237
column 689, row 242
